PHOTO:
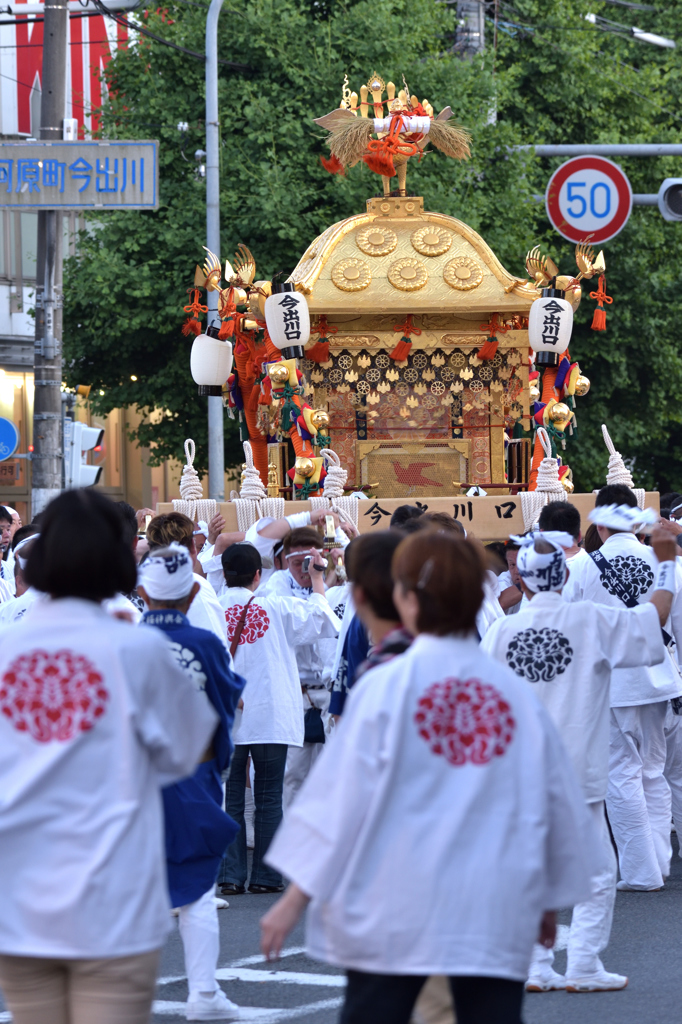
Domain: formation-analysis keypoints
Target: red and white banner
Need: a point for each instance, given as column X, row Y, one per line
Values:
column 92, row 41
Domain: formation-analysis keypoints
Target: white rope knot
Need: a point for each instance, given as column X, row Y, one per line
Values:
column 548, row 470
column 617, row 472
column 336, row 477
column 192, row 502
column 252, row 487
column 190, row 484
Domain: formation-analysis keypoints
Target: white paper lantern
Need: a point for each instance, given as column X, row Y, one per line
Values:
column 550, row 323
column 288, row 320
column 210, row 362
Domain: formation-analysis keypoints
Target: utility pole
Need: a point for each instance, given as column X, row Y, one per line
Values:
column 216, row 440
column 46, row 464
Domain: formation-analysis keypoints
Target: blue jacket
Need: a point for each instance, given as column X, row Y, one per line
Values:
column 197, row 829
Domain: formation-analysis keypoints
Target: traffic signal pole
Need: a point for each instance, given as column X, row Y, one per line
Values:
column 46, row 463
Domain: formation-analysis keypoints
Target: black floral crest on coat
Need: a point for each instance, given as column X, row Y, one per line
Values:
column 634, row 574
column 539, row 654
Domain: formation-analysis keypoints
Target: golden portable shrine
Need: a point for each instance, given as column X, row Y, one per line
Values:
column 400, row 348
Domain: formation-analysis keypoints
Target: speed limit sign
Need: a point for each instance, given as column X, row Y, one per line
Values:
column 588, row 199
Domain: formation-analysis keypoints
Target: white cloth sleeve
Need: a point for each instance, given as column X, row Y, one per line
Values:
column 206, row 554
column 572, row 852
column 298, row 519
column 629, row 637
column 174, row 721
column 306, row 621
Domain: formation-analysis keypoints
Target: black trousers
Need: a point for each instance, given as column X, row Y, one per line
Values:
column 390, row 999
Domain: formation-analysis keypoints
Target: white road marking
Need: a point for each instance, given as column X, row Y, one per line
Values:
column 562, row 931
column 258, row 958
column 260, row 1015
column 280, row 977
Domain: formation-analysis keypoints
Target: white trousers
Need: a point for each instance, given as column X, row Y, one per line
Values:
column 638, row 798
column 591, row 923
column 301, row 759
column 673, row 768
column 200, row 934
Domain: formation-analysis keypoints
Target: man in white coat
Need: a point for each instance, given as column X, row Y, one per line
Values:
column 264, row 632
column 567, row 652
column 622, row 574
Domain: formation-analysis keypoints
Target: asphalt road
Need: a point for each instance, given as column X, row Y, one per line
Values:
column 645, row 944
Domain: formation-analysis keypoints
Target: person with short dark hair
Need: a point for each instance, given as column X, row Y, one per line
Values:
column 403, row 513
column 197, row 829
column 80, row 767
column 6, row 531
column 264, row 630
column 205, row 611
column 621, row 573
column 446, row 776
column 564, row 517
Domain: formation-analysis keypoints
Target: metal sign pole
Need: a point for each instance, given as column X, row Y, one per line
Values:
column 216, row 440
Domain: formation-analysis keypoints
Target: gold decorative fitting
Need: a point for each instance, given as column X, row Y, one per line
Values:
column 351, row 275
column 408, row 275
column 431, row 240
column 463, row 273
column 376, row 241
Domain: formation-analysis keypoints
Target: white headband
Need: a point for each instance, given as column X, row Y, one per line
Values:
column 622, row 517
column 27, row 540
column 540, row 570
column 12, row 511
column 167, row 575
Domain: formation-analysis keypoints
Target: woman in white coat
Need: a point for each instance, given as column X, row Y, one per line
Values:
column 95, row 716
column 444, row 825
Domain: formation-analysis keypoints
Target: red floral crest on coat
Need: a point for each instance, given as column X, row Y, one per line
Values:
column 52, row 695
column 256, row 625
column 465, row 720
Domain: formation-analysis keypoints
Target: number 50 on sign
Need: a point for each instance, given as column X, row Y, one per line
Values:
column 588, row 199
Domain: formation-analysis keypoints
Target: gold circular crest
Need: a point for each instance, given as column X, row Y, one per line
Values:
column 351, row 275
column 376, row 241
column 463, row 273
column 431, row 240
column 408, row 275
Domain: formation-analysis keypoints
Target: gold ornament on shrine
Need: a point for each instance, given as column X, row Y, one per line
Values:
column 319, row 419
column 582, row 385
column 304, row 466
column 534, row 391
column 278, row 373
column 559, row 412
column 273, row 482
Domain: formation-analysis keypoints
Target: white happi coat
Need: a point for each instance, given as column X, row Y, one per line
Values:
column 95, row 717
column 205, row 611
column 314, row 660
column 266, row 658
column 566, row 652
column 636, row 565
column 440, row 824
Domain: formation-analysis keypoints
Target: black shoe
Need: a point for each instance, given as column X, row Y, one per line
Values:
column 259, row 890
column 231, row 889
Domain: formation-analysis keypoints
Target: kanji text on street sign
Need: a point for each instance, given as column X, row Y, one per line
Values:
column 588, row 199
column 79, row 175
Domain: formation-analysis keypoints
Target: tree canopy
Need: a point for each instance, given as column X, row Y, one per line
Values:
column 546, row 75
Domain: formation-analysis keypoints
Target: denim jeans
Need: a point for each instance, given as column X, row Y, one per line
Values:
column 269, row 760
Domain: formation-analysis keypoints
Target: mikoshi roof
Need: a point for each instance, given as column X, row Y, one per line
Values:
column 399, row 258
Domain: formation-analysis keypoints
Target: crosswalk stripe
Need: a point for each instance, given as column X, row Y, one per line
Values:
column 257, row 1014
column 280, row 977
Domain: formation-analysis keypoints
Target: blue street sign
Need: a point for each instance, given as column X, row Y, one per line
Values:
column 9, row 439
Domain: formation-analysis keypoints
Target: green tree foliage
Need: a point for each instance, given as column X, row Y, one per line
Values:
column 548, row 76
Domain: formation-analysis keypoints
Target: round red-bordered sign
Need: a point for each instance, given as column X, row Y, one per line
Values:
column 588, row 199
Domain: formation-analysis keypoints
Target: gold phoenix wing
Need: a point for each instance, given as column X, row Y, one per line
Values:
column 212, row 271
column 244, row 266
column 541, row 268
